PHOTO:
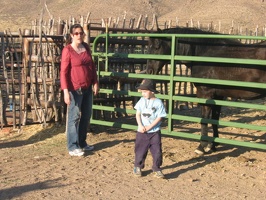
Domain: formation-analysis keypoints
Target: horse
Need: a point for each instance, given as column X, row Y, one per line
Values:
column 210, row 47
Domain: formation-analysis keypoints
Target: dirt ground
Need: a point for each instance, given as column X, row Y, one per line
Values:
column 35, row 165
column 34, row 162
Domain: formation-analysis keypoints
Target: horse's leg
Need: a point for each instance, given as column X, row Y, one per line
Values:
column 216, row 111
column 205, row 113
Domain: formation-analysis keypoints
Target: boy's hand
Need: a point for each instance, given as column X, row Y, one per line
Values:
column 147, row 128
column 142, row 129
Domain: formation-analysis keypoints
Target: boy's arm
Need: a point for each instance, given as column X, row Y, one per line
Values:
column 141, row 128
column 154, row 123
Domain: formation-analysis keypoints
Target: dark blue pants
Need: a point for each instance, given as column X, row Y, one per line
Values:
column 144, row 142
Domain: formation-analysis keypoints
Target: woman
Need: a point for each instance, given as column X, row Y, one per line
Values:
column 78, row 80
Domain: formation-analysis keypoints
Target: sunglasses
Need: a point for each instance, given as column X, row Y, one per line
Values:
column 78, row 33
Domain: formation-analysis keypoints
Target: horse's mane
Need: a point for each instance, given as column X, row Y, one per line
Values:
column 186, row 30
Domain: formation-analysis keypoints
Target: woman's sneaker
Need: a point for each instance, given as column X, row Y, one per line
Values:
column 88, row 148
column 137, row 171
column 159, row 174
column 76, row 152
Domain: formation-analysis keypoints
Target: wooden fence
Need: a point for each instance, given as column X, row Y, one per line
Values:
column 30, row 65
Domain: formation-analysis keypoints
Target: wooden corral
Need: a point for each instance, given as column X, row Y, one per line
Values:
column 30, row 79
column 41, row 71
column 30, row 66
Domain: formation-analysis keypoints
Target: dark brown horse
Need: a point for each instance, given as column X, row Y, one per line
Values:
column 210, row 47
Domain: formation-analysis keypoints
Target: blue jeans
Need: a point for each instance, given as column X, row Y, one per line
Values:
column 78, row 117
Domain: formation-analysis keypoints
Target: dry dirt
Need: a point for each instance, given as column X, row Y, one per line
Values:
column 35, row 165
column 34, row 162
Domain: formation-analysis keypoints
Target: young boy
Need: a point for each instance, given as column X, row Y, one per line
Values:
column 150, row 111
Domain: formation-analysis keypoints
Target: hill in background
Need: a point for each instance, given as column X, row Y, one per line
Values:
column 225, row 13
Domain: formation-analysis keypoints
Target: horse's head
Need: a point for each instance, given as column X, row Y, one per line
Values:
column 157, row 46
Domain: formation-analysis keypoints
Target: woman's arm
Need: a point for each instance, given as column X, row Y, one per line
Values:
column 64, row 74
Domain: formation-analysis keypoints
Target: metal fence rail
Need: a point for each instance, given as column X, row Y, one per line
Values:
column 172, row 79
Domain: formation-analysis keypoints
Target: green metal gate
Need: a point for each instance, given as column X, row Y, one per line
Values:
column 171, row 79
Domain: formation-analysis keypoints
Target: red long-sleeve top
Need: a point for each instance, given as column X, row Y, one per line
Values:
column 77, row 70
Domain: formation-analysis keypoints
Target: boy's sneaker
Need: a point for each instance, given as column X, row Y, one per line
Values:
column 159, row 174
column 88, row 148
column 137, row 171
column 76, row 152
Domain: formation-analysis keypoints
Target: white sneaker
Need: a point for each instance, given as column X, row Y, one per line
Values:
column 76, row 152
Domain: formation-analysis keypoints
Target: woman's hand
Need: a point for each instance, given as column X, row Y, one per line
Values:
column 67, row 98
column 96, row 89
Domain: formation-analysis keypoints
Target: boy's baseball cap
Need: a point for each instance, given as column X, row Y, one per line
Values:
column 148, row 84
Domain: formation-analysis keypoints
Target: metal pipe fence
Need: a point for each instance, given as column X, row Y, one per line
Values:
column 171, row 78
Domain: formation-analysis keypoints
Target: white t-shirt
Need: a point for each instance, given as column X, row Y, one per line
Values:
column 150, row 109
